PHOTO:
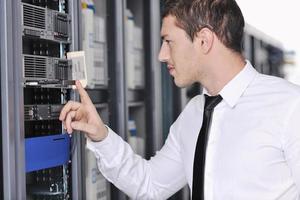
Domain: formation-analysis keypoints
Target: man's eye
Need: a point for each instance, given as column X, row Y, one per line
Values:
column 168, row 41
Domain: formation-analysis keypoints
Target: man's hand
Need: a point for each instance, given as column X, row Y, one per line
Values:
column 83, row 117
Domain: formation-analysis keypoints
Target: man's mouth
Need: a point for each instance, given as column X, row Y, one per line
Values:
column 170, row 67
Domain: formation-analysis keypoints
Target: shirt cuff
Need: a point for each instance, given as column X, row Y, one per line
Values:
column 105, row 147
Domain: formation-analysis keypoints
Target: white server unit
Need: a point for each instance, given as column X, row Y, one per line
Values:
column 94, row 44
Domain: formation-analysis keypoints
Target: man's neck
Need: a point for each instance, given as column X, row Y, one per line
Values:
column 223, row 70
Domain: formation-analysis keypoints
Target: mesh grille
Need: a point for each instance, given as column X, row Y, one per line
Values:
column 35, row 67
column 33, row 16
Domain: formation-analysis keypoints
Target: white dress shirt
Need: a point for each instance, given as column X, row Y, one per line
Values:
column 253, row 151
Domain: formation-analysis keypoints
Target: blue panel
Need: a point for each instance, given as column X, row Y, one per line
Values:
column 48, row 151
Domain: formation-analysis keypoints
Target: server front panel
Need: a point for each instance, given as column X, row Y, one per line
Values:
column 47, row 80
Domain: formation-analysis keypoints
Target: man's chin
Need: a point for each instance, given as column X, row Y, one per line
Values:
column 181, row 84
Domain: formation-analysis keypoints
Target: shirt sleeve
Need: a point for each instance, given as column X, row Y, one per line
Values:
column 291, row 145
column 157, row 178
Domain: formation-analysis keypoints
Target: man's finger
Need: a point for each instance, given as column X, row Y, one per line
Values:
column 70, row 106
column 82, row 126
column 71, row 115
column 84, row 97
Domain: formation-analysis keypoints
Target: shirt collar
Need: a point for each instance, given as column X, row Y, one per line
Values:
column 235, row 88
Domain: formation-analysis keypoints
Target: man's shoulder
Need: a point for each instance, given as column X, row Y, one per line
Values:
column 193, row 106
column 195, row 102
column 190, row 112
column 276, row 85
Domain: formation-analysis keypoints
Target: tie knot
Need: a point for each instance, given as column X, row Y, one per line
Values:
column 211, row 101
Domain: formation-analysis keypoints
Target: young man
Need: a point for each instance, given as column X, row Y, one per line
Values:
column 250, row 149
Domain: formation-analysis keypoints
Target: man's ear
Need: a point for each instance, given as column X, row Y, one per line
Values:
column 205, row 40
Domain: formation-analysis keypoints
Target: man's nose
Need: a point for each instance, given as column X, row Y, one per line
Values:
column 164, row 53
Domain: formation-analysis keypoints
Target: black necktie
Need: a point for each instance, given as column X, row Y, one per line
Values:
column 199, row 159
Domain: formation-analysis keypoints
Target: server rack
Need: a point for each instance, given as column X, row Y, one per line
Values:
column 93, row 25
column 115, row 36
column 129, row 102
column 135, row 75
column 265, row 53
column 138, row 102
column 46, row 33
column 35, row 37
column 143, row 96
column 25, row 97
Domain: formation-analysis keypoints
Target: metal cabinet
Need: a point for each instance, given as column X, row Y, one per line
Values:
column 35, row 84
column 135, row 76
column 38, row 161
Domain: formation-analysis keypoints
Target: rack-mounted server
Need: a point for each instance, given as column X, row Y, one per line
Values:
column 45, row 23
column 47, row 70
column 41, row 112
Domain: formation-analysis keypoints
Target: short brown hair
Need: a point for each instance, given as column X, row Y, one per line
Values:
column 223, row 17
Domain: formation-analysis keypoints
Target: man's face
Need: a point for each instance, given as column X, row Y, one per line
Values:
column 180, row 54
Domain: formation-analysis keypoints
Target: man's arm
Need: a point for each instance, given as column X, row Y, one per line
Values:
column 158, row 178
